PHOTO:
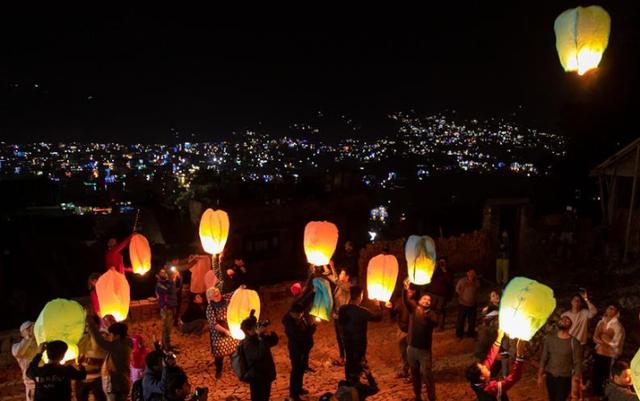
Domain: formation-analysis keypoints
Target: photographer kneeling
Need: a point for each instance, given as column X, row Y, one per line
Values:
column 154, row 379
column 256, row 346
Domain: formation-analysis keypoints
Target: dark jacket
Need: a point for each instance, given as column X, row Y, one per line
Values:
column 257, row 351
column 167, row 294
column 115, row 370
column 153, row 384
column 353, row 321
column 299, row 334
column 613, row 392
column 421, row 324
column 441, row 283
column 53, row 381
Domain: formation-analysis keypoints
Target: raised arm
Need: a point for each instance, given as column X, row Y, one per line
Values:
column 76, row 374
column 408, row 301
column 123, row 244
column 32, row 370
column 98, row 338
column 493, row 352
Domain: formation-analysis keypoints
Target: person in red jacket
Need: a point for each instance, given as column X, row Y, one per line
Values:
column 479, row 374
column 113, row 258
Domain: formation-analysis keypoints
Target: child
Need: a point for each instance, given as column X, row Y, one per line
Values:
column 53, row 380
column 24, row 351
column 138, row 353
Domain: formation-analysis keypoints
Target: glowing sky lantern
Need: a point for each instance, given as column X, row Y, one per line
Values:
column 420, row 253
column 140, row 254
column 114, row 295
column 322, row 300
column 320, row 241
column 214, row 230
column 240, row 305
column 635, row 372
column 582, row 35
column 64, row 320
column 525, row 307
column 382, row 273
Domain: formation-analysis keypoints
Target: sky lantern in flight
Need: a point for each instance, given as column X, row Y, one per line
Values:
column 420, row 252
column 582, row 35
column 320, row 241
column 139, row 254
column 63, row 320
column 240, row 305
column 382, row 273
column 114, row 295
column 525, row 307
column 214, row 231
column 635, row 372
column 322, row 300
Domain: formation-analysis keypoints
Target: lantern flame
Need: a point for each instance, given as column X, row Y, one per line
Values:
column 214, row 231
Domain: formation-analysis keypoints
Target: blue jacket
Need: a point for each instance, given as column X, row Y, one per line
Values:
column 166, row 292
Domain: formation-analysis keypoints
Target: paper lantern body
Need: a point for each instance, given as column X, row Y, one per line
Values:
column 140, row 254
column 525, row 307
column 582, row 35
column 210, row 279
column 420, row 252
column 240, row 305
column 635, row 372
column 382, row 273
column 214, row 230
column 322, row 300
column 113, row 293
column 320, row 241
column 64, row 320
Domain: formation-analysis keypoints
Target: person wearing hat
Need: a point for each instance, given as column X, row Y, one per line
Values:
column 24, row 351
column 261, row 369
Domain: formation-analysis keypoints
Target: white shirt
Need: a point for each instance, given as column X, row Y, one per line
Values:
column 580, row 322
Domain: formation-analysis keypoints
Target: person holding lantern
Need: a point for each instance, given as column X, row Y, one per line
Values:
column 24, row 351
column 92, row 358
column 479, row 373
column 113, row 256
column 115, row 371
column 609, row 338
column 299, row 333
column 93, row 295
column 256, row 346
column 422, row 321
column 168, row 302
column 353, row 320
column 222, row 343
column 341, row 296
column 53, row 379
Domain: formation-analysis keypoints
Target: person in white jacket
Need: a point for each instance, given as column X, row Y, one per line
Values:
column 24, row 351
column 609, row 339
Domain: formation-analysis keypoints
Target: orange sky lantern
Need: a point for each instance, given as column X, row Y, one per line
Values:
column 140, row 254
column 114, row 295
column 320, row 241
column 382, row 273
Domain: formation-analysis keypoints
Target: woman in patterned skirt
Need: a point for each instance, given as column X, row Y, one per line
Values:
column 222, row 344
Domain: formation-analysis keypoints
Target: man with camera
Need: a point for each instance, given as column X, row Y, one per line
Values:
column 256, row 348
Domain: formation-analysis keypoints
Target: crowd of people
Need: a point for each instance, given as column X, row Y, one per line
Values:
column 113, row 365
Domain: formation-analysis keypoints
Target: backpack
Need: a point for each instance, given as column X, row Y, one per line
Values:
column 136, row 391
column 239, row 363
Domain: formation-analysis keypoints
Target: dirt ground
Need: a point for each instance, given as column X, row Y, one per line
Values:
column 450, row 357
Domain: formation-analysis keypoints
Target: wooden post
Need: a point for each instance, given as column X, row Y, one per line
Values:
column 631, row 204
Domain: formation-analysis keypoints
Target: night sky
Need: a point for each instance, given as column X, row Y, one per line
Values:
column 133, row 74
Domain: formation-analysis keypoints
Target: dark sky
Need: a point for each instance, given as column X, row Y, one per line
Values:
column 131, row 74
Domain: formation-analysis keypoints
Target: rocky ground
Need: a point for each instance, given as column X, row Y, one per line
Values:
column 450, row 358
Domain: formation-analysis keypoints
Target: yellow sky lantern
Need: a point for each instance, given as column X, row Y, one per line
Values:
column 635, row 372
column 64, row 320
column 240, row 305
column 114, row 295
column 582, row 35
column 525, row 307
column 382, row 273
column 140, row 254
column 214, row 230
column 420, row 252
column 320, row 241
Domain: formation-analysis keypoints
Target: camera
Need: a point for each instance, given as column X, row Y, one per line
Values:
column 166, row 355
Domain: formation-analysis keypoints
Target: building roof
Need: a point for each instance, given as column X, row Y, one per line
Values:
column 622, row 163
